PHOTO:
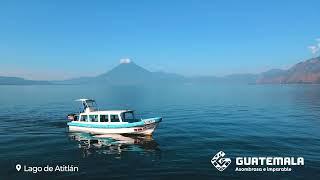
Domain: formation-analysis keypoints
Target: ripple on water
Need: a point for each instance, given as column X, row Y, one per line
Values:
column 197, row 122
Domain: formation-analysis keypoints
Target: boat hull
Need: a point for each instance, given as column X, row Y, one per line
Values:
column 145, row 127
column 146, row 130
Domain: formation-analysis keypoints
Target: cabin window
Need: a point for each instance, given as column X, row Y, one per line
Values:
column 93, row 118
column 76, row 118
column 84, row 118
column 103, row 118
column 127, row 117
column 114, row 118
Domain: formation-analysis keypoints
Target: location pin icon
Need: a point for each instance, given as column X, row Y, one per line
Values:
column 18, row 167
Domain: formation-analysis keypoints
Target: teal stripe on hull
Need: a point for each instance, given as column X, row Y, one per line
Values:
column 107, row 125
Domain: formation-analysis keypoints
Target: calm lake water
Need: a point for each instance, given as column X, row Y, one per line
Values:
column 198, row 121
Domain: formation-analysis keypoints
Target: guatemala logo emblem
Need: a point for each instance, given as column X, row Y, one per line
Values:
column 220, row 162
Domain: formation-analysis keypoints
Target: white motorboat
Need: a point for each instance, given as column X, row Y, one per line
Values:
column 95, row 121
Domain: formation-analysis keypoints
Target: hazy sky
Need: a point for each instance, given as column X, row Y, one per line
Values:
column 62, row 39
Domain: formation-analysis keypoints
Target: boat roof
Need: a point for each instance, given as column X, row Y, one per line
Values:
column 108, row 112
column 85, row 100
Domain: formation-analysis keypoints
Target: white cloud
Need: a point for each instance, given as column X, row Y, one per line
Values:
column 125, row 61
column 314, row 49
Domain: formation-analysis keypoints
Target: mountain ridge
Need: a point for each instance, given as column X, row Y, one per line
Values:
column 7, row 80
column 129, row 73
column 307, row 71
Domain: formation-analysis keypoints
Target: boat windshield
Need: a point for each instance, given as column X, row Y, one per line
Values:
column 128, row 117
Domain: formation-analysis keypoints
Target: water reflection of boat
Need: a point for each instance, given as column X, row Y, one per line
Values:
column 114, row 143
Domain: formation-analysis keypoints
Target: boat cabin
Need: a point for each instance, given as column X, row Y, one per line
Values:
column 118, row 116
column 90, row 113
